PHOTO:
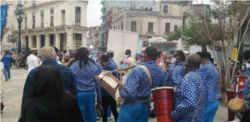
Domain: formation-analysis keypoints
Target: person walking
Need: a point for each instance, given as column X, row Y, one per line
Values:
column 211, row 79
column 137, row 89
column 47, row 100
column 2, row 85
column 48, row 57
column 86, row 84
column 7, row 59
column 107, row 100
column 191, row 94
column 32, row 60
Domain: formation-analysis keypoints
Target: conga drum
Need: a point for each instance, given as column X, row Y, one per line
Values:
column 230, row 96
column 236, row 105
column 163, row 102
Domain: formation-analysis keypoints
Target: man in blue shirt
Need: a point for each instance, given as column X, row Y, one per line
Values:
column 110, row 53
column 191, row 95
column 48, row 57
column 137, row 90
column 7, row 59
column 107, row 100
column 176, row 70
column 211, row 78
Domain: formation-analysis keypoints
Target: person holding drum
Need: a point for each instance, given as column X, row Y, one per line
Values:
column 107, row 100
column 191, row 94
column 211, row 78
column 137, row 89
column 176, row 70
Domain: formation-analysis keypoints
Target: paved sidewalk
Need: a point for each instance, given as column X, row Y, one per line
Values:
column 13, row 96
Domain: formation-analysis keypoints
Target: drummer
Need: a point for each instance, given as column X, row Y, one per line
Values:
column 137, row 91
column 191, row 95
column 176, row 70
column 107, row 100
column 211, row 78
column 246, row 90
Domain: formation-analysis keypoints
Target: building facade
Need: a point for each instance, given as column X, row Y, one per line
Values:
column 134, row 4
column 94, row 39
column 163, row 19
column 54, row 23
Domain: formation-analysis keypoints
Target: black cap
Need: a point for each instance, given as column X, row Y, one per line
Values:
column 104, row 58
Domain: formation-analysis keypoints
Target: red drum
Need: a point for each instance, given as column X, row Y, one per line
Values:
column 163, row 102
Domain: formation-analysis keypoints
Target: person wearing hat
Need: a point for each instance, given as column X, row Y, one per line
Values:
column 32, row 60
column 107, row 100
column 110, row 53
column 138, row 58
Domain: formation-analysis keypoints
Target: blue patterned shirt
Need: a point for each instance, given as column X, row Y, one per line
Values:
column 246, row 91
column 247, row 72
column 85, row 78
column 176, row 72
column 137, row 87
column 187, row 97
column 211, row 78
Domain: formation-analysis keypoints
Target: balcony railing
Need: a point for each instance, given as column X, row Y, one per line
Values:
column 150, row 33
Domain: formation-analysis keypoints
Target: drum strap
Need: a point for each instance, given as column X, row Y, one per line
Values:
column 198, row 100
column 148, row 74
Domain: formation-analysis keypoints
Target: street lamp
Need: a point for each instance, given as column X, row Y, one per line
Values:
column 19, row 16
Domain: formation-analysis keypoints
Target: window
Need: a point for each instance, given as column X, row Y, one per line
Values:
column 33, row 21
column 133, row 25
column 52, row 17
column 42, row 19
column 121, row 25
column 175, row 27
column 165, row 9
column 167, row 28
column 63, row 17
column 78, row 16
column 150, row 27
column 25, row 21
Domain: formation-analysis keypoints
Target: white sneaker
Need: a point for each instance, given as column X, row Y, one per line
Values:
column 98, row 118
column 110, row 118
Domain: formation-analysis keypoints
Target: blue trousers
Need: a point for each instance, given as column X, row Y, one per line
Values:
column 7, row 72
column 86, row 102
column 109, row 112
column 133, row 113
column 210, row 111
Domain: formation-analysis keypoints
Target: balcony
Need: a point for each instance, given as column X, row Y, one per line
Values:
column 103, row 16
column 103, row 9
column 151, row 34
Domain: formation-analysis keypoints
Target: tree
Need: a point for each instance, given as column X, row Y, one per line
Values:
column 12, row 36
column 219, row 28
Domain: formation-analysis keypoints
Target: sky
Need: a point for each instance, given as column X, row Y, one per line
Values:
column 94, row 13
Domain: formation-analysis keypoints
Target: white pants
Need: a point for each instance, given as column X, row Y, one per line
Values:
column 2, row 82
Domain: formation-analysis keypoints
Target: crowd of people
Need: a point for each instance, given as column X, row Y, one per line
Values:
column 65, row 88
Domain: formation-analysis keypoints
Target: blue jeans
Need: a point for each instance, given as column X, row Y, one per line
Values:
column 210, row 111
column 7, row 72
column 133, row 113
column 86, row 102
column 109, row 112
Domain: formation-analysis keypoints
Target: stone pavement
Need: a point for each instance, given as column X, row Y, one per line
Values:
column 13, row 96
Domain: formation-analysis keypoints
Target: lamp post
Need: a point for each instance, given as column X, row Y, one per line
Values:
column 19, row 16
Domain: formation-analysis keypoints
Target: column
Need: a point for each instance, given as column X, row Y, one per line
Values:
column 70, row 40
column 30, row 41
column 23, row 41
column 47, row 40
column 84, row 40
column 38, row 42
column 57, row 42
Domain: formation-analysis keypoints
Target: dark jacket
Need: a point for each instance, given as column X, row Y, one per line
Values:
column 41, row 110
column 68, row 78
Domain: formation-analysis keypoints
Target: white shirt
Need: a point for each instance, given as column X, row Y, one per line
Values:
column 32, row 61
